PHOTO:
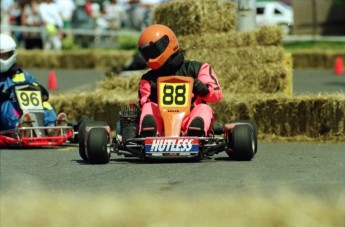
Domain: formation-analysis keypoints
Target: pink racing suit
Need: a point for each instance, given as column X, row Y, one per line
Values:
column 180, row 67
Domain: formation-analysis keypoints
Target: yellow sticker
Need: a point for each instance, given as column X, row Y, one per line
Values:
column 174, row 94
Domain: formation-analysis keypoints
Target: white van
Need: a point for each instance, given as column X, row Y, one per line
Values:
column 274, row 13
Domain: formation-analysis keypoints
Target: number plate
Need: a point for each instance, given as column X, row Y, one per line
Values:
column 29, row 99
column 174, row 94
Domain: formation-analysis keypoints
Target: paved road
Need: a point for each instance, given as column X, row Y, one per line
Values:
column 308, row 168
column 316, row 169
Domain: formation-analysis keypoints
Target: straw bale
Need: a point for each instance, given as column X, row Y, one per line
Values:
column 246, row 69
column 316, row 58
column 98, row 105
column 72, row 59
column 275, row 115
column 121, row 85
column 269, row 35
column 311, row 116
column 263, row 36
column 196, row 16
column 38, row 58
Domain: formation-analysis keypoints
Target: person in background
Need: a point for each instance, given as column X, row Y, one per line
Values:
column 66, row 8
column 10, row 75
column 30, row 18
column 115, row 14
column 81, row 19
column 160, row 48
column 5, row 16
column 53, row 25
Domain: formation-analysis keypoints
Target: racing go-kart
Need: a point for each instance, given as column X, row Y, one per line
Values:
column 30, row 100
column 238, row 138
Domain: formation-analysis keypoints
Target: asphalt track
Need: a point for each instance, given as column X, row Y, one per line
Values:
column 311, row 168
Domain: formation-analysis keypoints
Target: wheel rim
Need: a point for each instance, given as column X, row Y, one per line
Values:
column 253, row 141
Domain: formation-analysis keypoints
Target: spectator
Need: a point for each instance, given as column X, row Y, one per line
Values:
column 5, row 17
column 30, row 18
column 66, row 8
column 81, row 19
column 53, row 23
column 15, row 19
column 115, row 14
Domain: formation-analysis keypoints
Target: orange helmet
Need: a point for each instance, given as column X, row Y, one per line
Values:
column 156, row 44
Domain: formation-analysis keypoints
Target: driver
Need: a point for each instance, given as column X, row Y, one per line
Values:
column 160, row 48
column 10, row 74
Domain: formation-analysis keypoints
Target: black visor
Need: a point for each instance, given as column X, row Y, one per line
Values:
column 153, row 50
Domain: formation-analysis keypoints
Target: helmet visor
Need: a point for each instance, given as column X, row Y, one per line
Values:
column 153, row 50
column 7, row 55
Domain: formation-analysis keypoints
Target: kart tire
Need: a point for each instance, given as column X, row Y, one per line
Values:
column 254, row 128
column 82, row 132
column 244, row 143
column 97, row 146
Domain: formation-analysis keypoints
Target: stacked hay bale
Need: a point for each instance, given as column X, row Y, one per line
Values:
column 72, row 59
column 244, row 62
column 254, row 72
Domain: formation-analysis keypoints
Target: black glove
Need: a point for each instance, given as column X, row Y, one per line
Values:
column 44, row 92
column 153, row 85
column 153, row 95
column 4, row 95
column 200, row 88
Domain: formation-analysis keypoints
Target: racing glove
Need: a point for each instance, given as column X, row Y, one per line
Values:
column 200, row 88
column 153, row 95
column 3, row 95
column 45, row 93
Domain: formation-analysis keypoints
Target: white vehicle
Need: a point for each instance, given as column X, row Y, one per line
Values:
column 274, row 13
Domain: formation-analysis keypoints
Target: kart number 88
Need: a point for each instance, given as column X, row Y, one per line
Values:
column 174, row 94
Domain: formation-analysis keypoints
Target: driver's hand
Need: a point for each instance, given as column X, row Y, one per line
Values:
column 200, row 88
column 3, row 95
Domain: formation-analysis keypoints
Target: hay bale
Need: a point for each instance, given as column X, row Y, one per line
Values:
column 279, row 115
column 316, row 58
column 38, row 58
column 122, row 85
column 264, row 36
column 196, row 16
column 276, row 115
column 246, row 69
column 73, row 59
column 103, row 105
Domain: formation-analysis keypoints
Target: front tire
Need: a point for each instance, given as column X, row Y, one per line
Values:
column 82, row 134
column 97, row 146
column 243, row 143
column 253, row 127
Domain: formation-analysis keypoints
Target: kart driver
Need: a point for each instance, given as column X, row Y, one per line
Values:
column 160, row 48
column 10, row 74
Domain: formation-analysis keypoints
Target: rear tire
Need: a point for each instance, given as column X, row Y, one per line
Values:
column 97, row 146
column 243, row 143
column 82, row 132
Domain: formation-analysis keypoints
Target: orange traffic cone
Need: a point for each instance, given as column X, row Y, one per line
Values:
column 52, row 83
column 338, row 66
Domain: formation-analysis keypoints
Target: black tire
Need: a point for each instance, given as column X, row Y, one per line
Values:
column 81, row 135
column 243, row 143
column 254, row 128
column 97, row 144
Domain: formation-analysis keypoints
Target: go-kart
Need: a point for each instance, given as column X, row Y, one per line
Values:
column 237, row 138
column 30, row 100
